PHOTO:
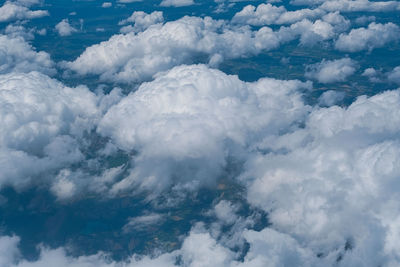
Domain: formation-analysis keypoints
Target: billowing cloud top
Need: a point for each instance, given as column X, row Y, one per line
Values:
column 186, row 133
column 192, row 116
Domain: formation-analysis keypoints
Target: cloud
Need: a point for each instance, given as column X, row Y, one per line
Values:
column 362, row 20
column 141, row 21
column 14, row 31
column 106, row 5
column 141, row 222
column 372, row 74
column 198, row 249
column 327, row 185
column 136, row 57
column 360, row 6
column 327, row 177
column 64, row 28
column 330, row 71
column 190, row 118
column 14, row 11
column 271, row 248
column 266, row 14
column 394, row 75
column 309, row 32
column 41, row 121
column 351, row 5
column 330, row 98
column 8, row 250
column 176, row 3
column 375, row 36
column 225, row 212
column 63, row 187
column 19, row 56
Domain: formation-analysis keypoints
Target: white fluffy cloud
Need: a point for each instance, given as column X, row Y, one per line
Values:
column 17, row 55
column 266, row 14
column 14, row 31
column 64, row 28
column 136, row 57
column 334, row 189
column 330, row 71
column 330, row 186
column 15, row 11
column 360, row 6
column 394, row 75
column 329, row 98
column 375, row 36
column 225, row 212
column 351, row 5
column 176, row 3
column 41, row 119
column 141, row 21
column 187, row 120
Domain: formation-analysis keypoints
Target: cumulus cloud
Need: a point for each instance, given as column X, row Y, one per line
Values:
column 372, row 74
column 225, row 212
column 266, row 14
column 63, row 188
column 64, row 28
column 394, row 75
column 351, row 5
column 331, row 187
column 375, row 36
column 309, row 32
column 15, row 11
column 135, row 57
column 362, row 20
column 330, row 71
column 330, row 98
column 19, row 56
column 360, row 6
column 141, row 21
column 8, row 250
column 189, row 119
column 176, row 3
column 13, row 31
column 41, row 121
column 327, row 176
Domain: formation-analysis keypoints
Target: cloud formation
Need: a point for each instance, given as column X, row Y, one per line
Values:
column 41, row 121
column 19, row 56
column 375, row 36
column 141, row 21
column 190, row 118
column 15, row 11
column 136, row 57
column 331, row 188
column 64, row 28
column 266, row 14
column 176, row 3
column 330, row 71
